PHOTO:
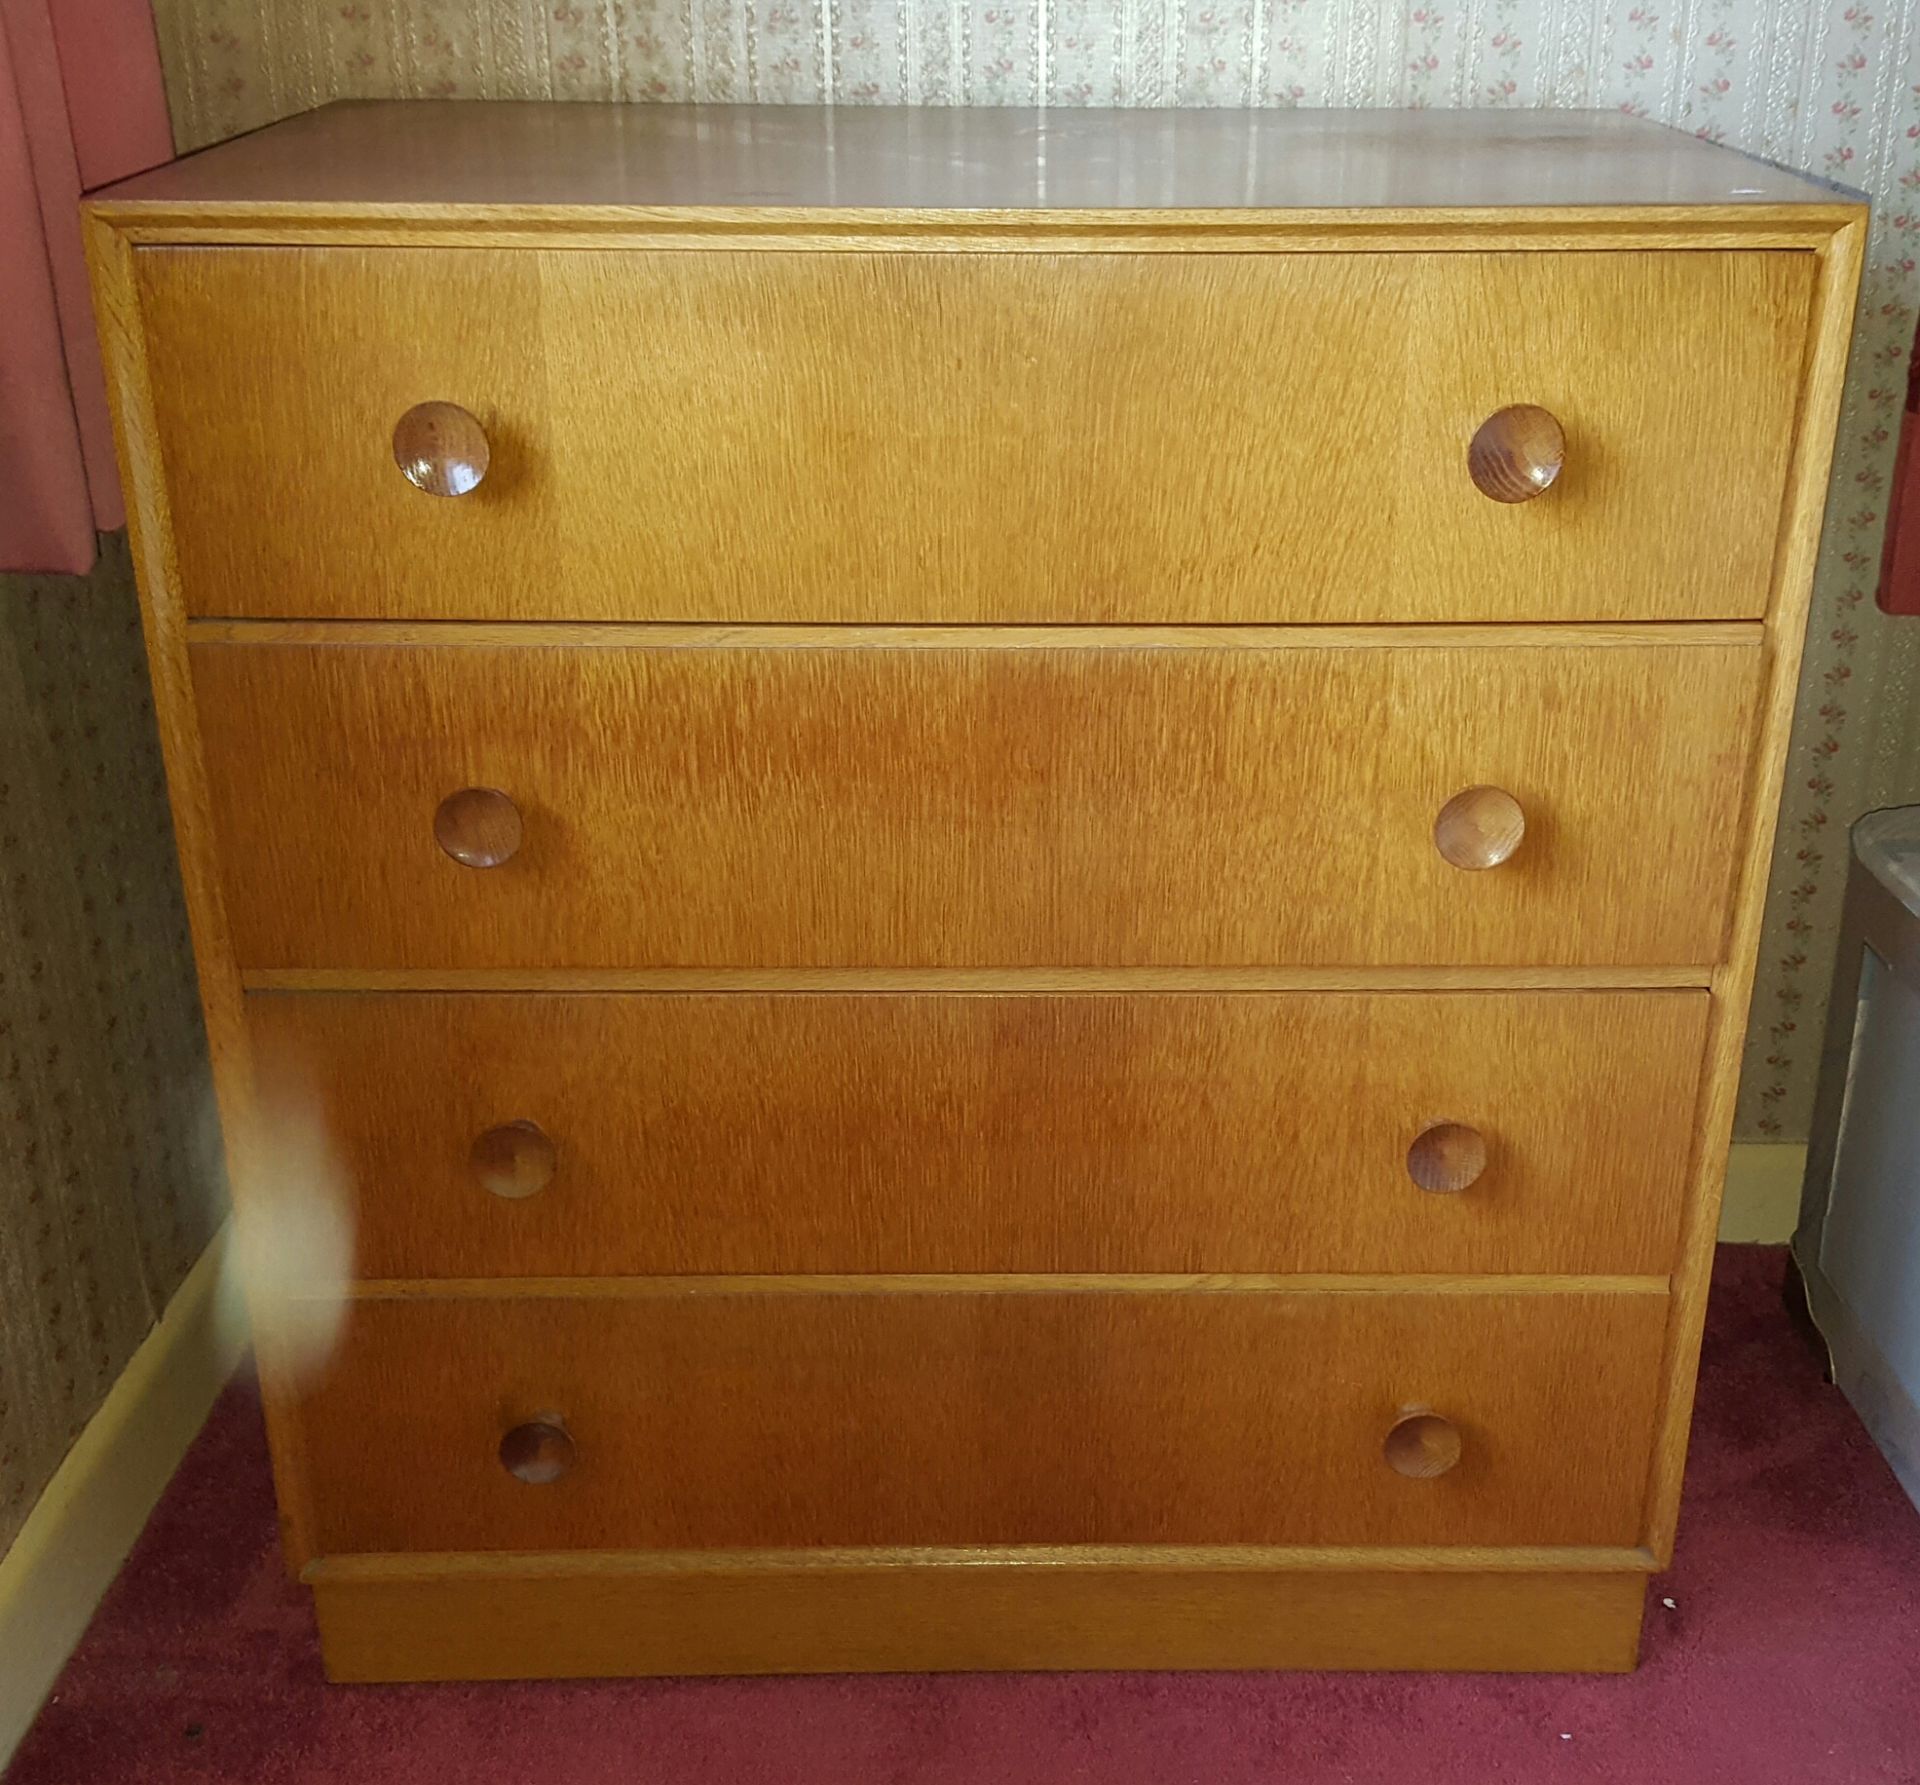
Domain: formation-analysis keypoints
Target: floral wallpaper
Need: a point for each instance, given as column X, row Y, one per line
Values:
column 1827, row 85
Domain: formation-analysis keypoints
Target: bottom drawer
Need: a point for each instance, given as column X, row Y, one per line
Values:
column 794, row 1414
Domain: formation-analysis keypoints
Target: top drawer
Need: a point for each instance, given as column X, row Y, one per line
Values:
column 991, row 437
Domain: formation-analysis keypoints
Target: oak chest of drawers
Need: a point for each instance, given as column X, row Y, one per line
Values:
column 974, row 890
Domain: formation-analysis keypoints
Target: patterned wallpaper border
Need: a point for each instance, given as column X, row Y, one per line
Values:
column 1816, row 84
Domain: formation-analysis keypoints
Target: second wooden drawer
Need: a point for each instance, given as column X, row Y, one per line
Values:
column 503, row 1136
column 880, row 800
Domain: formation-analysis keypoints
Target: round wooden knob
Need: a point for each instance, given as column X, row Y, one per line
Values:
column 513, row 1160
column 1516, row 453
column 441, row 448
column 538, row 1452
column 1421, row 1444
column 1479, row 828
column 1447, row 1157
column 478, row 826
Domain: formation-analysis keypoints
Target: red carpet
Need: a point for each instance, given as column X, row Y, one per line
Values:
column 1792, row 1654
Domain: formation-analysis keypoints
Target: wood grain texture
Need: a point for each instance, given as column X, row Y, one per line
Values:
column 974, row 979
column 440, row 449
column 707, row 635
column 1807, row 488
column 1191, row 1558
column 1064, row 806
column 151, row 536
column 380, row 157
column 561, row 1617
column 1423, row 1445
column 1039, row 438
column 1448, row 1157
column 1147, row 1133
column 1479, row 828
column 478, row 827
column 323, row 1292
column 727, row 1421
column 1781, row 257
column 1517, row 453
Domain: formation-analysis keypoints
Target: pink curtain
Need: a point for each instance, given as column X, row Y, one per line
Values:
column 80, row 104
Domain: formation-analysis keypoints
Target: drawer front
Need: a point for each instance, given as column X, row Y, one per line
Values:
column 748, row 1417
column 885, row 805
column 972, row 437
column 534, row 1136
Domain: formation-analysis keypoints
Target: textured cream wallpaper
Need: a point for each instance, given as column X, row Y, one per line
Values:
column 1827, row 85
column 109, row 1187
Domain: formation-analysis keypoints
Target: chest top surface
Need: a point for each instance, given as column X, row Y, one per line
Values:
column 484, row 154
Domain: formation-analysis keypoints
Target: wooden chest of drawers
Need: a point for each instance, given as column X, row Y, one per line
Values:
column 975, row 890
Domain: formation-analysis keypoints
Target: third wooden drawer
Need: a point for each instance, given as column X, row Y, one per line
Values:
column 705, row 798
column 533, row 1136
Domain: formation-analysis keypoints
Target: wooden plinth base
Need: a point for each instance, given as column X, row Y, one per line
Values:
column 486, row 1617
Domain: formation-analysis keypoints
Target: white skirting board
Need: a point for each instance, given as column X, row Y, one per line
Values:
column 82, row 1526
column 1763, row 1192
